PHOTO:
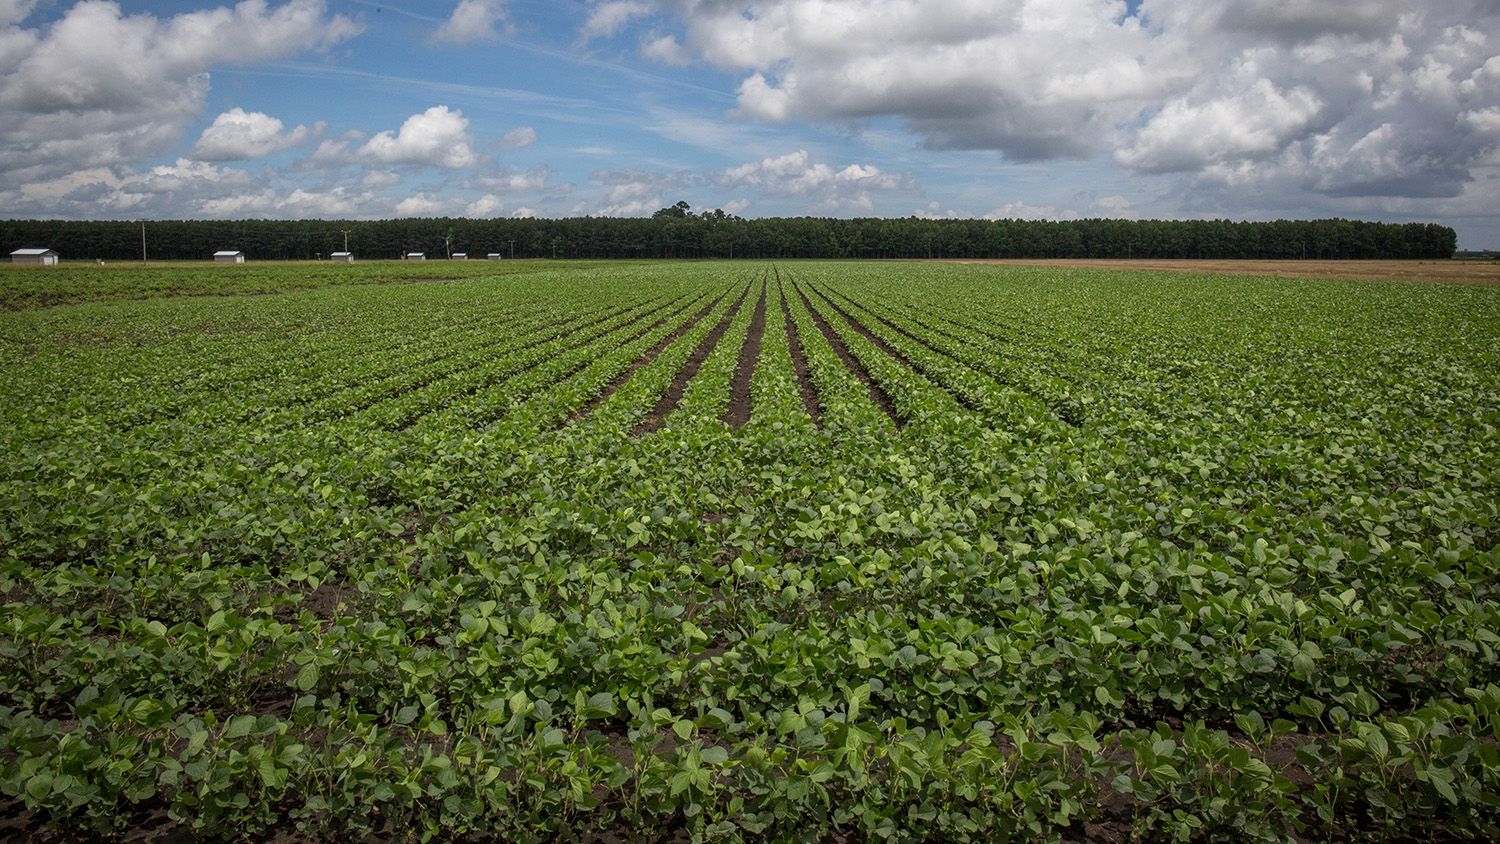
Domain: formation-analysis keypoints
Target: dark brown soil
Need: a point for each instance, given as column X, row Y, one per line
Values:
column 640, row 362
column 896, row 353
column 1116, row 815
column 673, row 396
column 583, row 364
column 739, row 389
column 799, row 358
column 877, row 393
column 553, row 327
column 515, row 373
column 331, row 600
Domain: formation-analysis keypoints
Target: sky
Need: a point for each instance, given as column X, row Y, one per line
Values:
column 1044, row 109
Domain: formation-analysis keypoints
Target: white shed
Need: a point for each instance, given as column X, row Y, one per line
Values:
column 229, row 256
column 460, row 256
column 346, row 257
column 46, row 257
column 494, row 256
column 416, row 256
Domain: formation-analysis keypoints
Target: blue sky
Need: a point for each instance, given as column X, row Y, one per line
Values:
column 1261, row 109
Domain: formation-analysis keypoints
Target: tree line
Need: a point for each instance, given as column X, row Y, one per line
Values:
column 677, row 232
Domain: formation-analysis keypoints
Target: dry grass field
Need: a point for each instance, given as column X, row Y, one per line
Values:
column 1450, row 272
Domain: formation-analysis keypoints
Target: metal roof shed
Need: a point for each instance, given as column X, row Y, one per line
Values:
column 229, row 256
column 416, row 256
column 346, row 257
column 460, row 256
column 45, row 257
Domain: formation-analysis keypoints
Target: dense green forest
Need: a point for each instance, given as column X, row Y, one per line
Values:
column 677, row 232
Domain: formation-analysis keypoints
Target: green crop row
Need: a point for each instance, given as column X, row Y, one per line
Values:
column 1059, row 554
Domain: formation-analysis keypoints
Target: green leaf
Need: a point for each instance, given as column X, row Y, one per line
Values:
column 39, row 787
column 1251, row 724
column 602, row 703
column 718, row 719
column 307, row 677
column 1165, row 773
column 1442, row 780
column 1302, row 667
column 238, row 726
column 195, row 743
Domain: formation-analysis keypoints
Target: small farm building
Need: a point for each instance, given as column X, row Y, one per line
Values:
column 346, row 257
column 416, row 256
column 47, row 257
column 494, row 256
column 460, row 256
column 229, row 256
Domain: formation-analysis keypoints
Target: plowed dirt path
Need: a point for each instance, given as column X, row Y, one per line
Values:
column 1450, row 272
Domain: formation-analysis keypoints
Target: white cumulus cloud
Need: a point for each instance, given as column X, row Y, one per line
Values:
column 15, row 11
column 420, row 205
column 237, row 135
column 1336, row 98
column 605, row 19
column 667, row 50
column 525, row 136
column 474, row 20
column 1253, row 122
column 438, row 137
column 488, row 205
column 100, row 87
column 183, row 187
column 377, row 179
column 515, row 181
column 1025, row 211
column 758, row 98
column 851, row 187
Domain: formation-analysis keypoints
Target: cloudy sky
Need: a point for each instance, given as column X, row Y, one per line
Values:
column 1256, row 109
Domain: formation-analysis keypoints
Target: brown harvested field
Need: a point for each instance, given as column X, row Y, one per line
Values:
column 1449, row 272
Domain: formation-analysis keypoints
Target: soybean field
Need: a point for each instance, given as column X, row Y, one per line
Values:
column 741, row 550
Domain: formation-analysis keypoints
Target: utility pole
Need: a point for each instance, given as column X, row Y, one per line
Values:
column 346, row 239
column 143, row 241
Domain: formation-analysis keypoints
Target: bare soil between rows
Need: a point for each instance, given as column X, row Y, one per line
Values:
column 799, row 358
column 669, row 400
column 877, row 393
column 1446, row 272
column 738, row 414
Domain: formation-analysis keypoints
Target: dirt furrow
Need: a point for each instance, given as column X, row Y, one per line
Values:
column 508, row 375
column 642, row 361
column 670, row 399
column 584, row 363
column 558, row 328
column 799, row 358
column 1002, row 340
column 265, row 411
column 896, row 353
column 739, row 389
column 877, row 393
column 1064, row 414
